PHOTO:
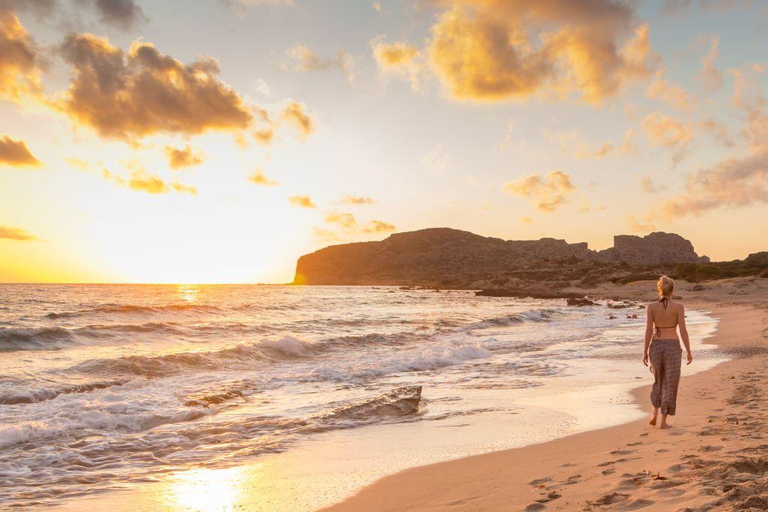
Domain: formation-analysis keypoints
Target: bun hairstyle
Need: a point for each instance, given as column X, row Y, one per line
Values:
column 666, row 286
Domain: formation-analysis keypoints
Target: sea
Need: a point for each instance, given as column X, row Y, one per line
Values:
column 192, row 397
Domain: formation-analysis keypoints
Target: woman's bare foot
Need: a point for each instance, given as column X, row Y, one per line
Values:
column 653, row 420
column 665, row 425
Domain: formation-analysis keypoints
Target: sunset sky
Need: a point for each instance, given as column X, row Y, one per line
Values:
column 216, row 141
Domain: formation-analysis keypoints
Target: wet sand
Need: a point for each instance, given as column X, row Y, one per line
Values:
column 714, row 458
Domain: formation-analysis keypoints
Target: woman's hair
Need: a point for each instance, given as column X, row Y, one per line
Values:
column 666, row 286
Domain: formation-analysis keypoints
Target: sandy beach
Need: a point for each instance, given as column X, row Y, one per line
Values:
column 714, row 458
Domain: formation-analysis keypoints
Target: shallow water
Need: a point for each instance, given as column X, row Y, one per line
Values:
column 107, row 387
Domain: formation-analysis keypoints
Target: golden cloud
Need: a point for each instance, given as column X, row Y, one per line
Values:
column 8, row 233
column 259, row 178
column 400, row 58
column 378, row 226
column 356, row 200
column 302, row 201
column 304, row 59
column 178, row 158
column 15, row 153
column 296, row 114
column 734, row 182
column 672, row 94
column 548, row 194
column 490, row 50
column 19, row 59
column 144, row 92
column 140, row 181
column 667, row 131
column 348, row 224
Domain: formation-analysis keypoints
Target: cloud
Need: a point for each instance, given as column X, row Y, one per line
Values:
column 40, row 8
column 506, row 142
column 676, row 7
column 20, row 61
column 718, row 132
column 15, row 153
column 672, row 94
column 296, row 114
column 8, row 233
column 398, row 58
column 120, row 13
column 356, row 200
column 377, row 226
column 735, row 182
column 183, row 157
column 326, row 235
column 492, row 50
column 436, row 160
column 302, row 201
column 141, row 181
column 347, row 224
column 526, row 220
column 710, row 76
column 259, row 178
column 548, row 194
column 78, row 163
column 344, row 220
column 144, row 92
column 648, row 186
column 609, row 148
column 304, row 59
column 667, row 131
column 638, row 226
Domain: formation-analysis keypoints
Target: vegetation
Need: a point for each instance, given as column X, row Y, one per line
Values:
column 718, row 270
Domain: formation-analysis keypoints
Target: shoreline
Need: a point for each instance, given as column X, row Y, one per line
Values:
column 630, row 466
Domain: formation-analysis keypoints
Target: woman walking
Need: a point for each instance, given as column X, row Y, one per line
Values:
column 662, row 346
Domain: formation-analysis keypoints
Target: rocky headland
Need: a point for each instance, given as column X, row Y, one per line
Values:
column 452, row 259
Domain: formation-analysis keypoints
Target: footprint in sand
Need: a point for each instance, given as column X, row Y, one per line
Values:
column 622, row 452
column 540, row 481
column 710, row 448
column 610, row 499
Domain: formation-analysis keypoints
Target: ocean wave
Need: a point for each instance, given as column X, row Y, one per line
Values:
column 45, row 338
column 428, row 358
column 397, row 402
column 135, row 309
column 285, row 348
column 30, row 396
column 537, row 315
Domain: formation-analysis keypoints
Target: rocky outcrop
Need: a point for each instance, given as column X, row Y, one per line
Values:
column 651, row 249
column 426, row 257
column 443, row 257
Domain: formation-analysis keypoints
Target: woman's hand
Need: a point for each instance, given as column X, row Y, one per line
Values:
column 690, row 358
column 645, row 358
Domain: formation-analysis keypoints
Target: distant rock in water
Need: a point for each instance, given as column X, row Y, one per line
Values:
column 444, row 257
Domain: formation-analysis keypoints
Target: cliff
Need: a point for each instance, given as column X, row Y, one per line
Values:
column 443, row 257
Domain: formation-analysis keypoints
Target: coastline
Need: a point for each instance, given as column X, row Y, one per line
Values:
column 631, row 466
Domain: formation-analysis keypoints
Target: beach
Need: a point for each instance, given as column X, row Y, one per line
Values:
column 715, row 457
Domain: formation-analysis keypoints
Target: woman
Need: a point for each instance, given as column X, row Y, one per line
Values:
column 664, row 316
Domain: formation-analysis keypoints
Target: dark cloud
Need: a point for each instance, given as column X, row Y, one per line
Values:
column 120, row 13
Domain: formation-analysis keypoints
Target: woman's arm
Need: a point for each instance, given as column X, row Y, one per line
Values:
column 684, row 333
column 648, row 333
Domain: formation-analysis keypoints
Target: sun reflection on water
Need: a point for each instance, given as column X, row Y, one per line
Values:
column 188, row 292
column 207, row 490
